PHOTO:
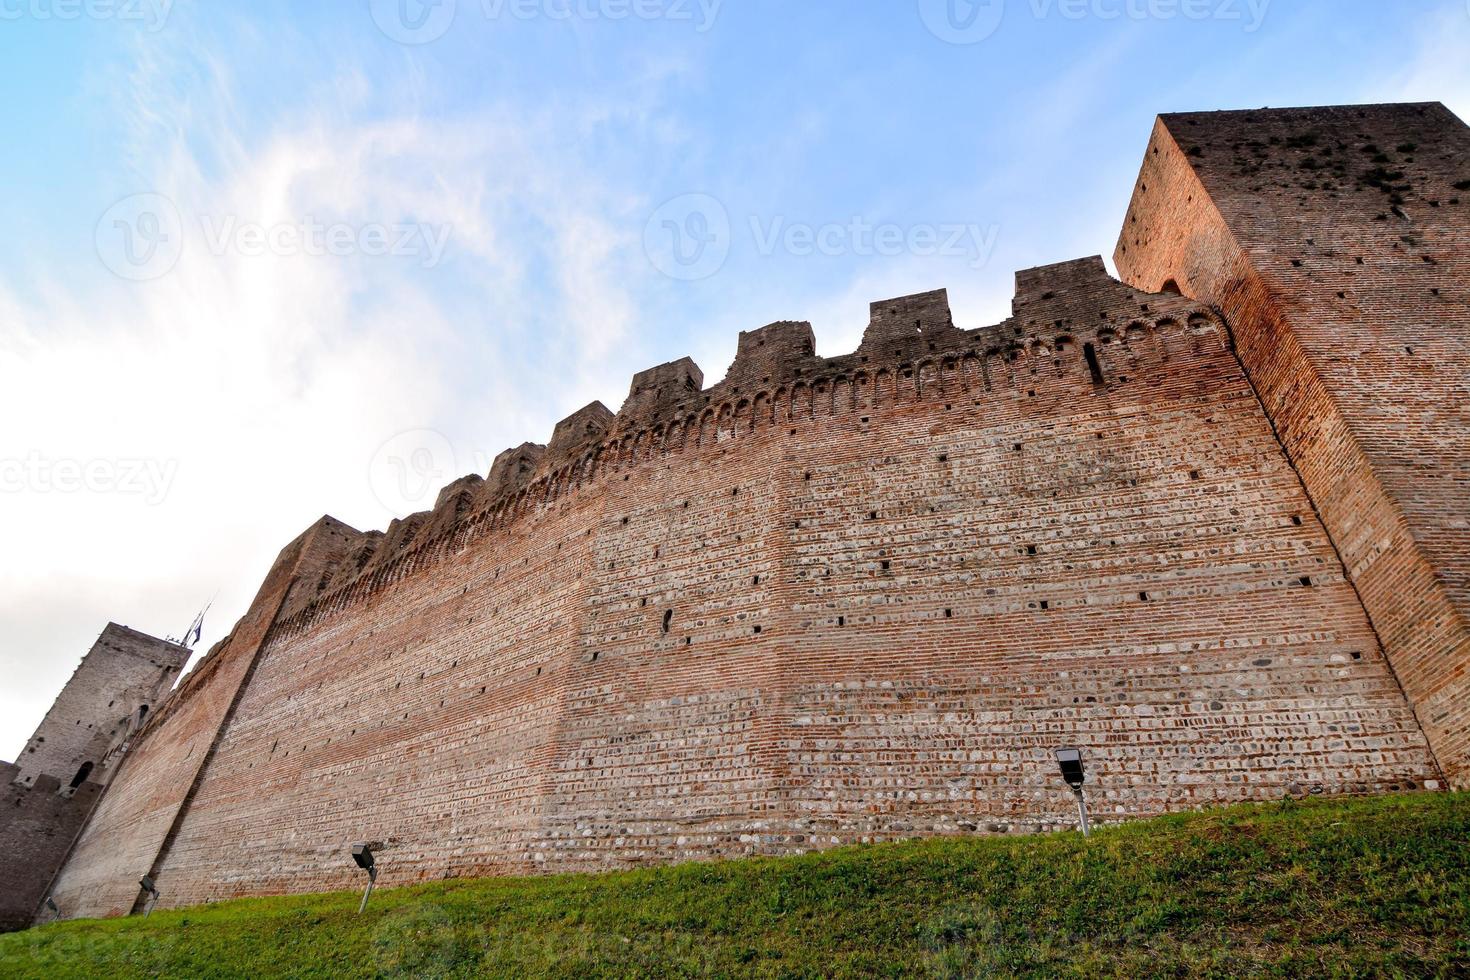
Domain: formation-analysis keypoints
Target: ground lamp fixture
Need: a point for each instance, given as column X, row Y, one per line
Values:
column 146, row 883
column 362, row 854
column 1069, row 760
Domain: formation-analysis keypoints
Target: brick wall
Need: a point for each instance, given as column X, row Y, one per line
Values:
column 823, row 601
column 38, row 821
column 1337, row 243
column 148, row 793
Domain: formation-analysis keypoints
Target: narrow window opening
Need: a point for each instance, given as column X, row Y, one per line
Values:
column 841, row 620
column 82, row 774
column 887, row 565
column 757, row 629
column 595, row 655
column 1143, row 596
column 1093, row 366
column 1031, row 549
column 668, row 618
column 949, row 614
column 1045, row 604
column 1306, row 581
column 1296, row 519
column 756, row 581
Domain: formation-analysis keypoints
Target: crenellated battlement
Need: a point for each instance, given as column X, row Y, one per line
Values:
column 1068, row 317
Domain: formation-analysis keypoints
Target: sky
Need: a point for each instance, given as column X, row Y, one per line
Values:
column 267, row 261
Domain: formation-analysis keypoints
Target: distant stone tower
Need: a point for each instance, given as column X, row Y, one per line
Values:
column 108, row 697
column 48, row 793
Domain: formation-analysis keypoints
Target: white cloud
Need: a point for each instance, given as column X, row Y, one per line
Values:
column 270, row 381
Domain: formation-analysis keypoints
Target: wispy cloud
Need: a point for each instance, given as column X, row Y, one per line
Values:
column 268, row 378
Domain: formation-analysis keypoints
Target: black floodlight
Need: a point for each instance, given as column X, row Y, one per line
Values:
column 1069, row 760
column 362, row 856
column 146, row 883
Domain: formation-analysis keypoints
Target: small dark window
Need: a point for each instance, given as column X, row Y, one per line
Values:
column 1143, row 596
column 668, row 618
column 82, row 774
column 1090, row 352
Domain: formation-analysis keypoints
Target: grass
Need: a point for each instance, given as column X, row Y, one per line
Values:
column 1376, row 886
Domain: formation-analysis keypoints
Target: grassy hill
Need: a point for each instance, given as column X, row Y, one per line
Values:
column 1342, row 887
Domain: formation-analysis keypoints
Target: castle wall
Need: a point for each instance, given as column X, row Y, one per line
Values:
column 824, row 601
column 38, row 821
column 147, row 795
column 1337, row 243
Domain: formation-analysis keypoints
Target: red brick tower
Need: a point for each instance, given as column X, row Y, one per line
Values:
column 1336, row 241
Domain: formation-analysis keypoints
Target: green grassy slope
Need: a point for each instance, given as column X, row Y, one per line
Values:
column 1344, row 887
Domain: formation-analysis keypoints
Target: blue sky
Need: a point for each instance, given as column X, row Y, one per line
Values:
column 267, row 261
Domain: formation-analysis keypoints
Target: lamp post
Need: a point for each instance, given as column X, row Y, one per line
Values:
column 146, row 883
column 362, row 854
column 1070, row 762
